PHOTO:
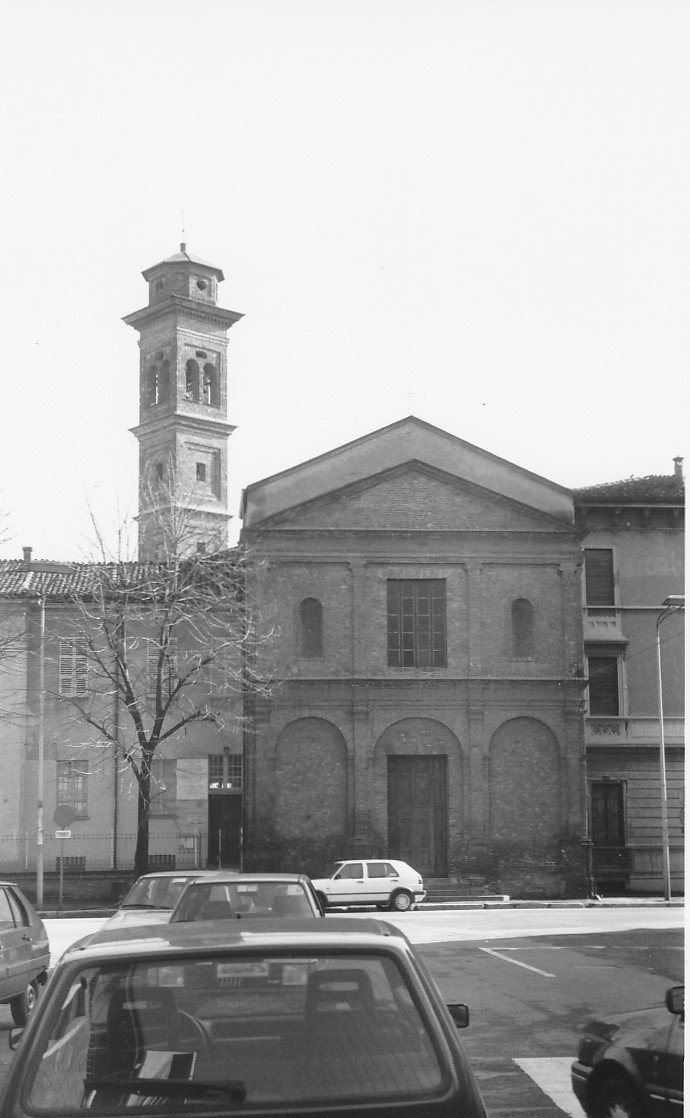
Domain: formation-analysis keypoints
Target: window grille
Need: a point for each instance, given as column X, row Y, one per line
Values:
column 417, row 623
column 72, row 787
column 70, row 863
column 225, row 772
column 72, row 667
column 162, row 862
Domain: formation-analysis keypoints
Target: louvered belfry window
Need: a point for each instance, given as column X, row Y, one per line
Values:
column 417, row 623
column 599, row 577
column 73, row 665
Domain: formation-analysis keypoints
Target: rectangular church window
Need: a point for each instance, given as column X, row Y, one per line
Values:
column 417, row 623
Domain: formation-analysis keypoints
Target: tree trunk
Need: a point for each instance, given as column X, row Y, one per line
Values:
column 141, row 854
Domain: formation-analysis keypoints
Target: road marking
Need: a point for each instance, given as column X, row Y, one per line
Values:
column 516, row 962
column 552, row 1076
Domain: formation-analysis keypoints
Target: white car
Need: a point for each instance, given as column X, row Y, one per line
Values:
column 385, row 883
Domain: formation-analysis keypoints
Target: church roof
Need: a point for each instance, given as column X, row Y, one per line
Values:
column 183, row 257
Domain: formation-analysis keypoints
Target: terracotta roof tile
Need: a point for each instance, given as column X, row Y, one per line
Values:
column 655, row 489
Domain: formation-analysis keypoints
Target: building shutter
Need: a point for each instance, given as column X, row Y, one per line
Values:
column 72, row 667
column 603, row 685
column 599, row 576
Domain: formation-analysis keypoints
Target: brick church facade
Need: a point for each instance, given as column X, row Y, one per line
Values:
column 426, row 597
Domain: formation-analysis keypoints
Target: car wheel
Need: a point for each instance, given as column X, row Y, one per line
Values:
column 22, row 1005
column 617, row 1097
column 401, row 901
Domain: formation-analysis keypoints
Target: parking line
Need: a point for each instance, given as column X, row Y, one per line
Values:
column 552, row 1075
column 516, row 962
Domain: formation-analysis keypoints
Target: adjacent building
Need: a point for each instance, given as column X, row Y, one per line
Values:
column 633, row 543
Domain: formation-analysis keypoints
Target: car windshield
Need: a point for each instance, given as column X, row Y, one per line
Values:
column 235, row 900
column 155, row 892
column 232, row 1030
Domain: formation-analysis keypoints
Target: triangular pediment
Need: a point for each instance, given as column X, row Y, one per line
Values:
column 412, row 497
column 410, row 444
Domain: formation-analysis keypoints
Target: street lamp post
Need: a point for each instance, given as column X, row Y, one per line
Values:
column 670, row 605
column 40, row 779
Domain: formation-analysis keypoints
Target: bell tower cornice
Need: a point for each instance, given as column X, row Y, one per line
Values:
column 177, row 305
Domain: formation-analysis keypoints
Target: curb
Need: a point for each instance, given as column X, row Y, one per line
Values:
column 430, row 906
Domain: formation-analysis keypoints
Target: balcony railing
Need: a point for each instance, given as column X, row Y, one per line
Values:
column 639, row 730
column 603, row 623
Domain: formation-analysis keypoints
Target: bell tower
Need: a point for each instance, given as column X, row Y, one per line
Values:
column 183, row 399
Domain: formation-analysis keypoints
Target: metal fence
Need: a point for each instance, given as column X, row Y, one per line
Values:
column 73, row 853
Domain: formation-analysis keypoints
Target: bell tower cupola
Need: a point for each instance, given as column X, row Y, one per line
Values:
column 183, row 428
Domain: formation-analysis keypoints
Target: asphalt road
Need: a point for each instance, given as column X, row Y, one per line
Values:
column 531, row 978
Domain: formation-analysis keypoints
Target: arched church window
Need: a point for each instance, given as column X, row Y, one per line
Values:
column 164, row 383
column 191, row 388
column 311, row 626
column 210, row 389
column 523, row 628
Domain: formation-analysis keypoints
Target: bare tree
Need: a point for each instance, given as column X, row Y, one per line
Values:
column 169, row 643
column 12, row 644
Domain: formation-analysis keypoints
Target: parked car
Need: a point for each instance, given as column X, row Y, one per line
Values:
column 153, row 897
column 631, row 1066
column 386, row 883
column 310, row 1018
column 246, row 895
column 24, row 952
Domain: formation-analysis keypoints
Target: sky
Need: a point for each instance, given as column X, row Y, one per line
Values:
column 473, row 211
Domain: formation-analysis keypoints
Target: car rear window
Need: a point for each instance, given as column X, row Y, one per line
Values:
column 227, row 900
column 257, row 1030
column 155, row 892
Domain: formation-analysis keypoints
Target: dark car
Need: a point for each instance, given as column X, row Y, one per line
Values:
column 240, row 895
column 311, row 1017
column 24, row 952
column 631, row 1066
column 153, row 897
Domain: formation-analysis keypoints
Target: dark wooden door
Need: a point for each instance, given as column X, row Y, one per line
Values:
column 418, row 813
column 224, row 830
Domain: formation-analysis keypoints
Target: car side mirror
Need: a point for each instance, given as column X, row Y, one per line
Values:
column 14, row 1037
column 460, row 1014
column 675, row 1000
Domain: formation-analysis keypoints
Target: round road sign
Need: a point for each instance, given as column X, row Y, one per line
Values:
column 63, row 816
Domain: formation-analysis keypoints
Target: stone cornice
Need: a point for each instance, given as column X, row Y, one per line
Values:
column 179, row 304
